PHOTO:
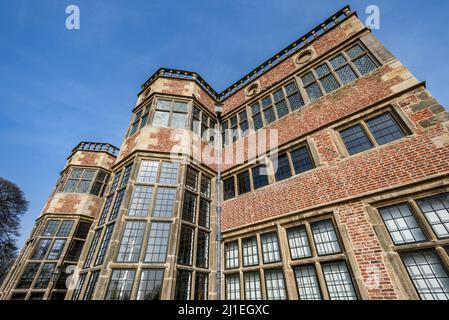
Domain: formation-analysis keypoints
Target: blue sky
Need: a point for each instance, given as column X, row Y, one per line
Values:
column 59, row 87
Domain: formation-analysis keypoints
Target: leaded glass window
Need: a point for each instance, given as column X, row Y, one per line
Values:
column 275, row 284
column 120, row 284
column 402, row 224
column 298, row 243
column 307, row 282
column 270, row 247
column 231, row 255
column 158, row 242
column 131, row 242
column 338, row 281
column 325, row 237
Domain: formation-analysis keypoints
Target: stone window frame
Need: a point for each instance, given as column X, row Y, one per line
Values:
column 143, row 115
column 315, row 259
column 198, row 193
column 65, row 177
column 268, row 163
column 432, row 243
column 63, row 253
column 361, row 118
column 287, row 264
column 149, row 219
column 140, row 118
column 240, row 270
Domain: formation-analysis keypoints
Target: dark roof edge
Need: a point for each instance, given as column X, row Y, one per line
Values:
column 283, row 54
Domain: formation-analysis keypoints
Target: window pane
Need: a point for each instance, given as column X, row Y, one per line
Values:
column 260, row 177
column 428, row 274
column 326, row 240
column 56, row 249
column 329, row 83
column 252, row 286
column 165, row 200
column 169, row 173
column 202, row 250
column 338, row 281
column 140, row 201
column 120, row 285
column 41, row 249
column 50, row 228
column 65, row 228
column 364, row 64
column 150, row 286
column 301, row 159
column 384, row 128
column 161, row 119
column 91, row 285
column 179, row 120
column 70, row 185
column 250, row 252
column 186, row 246
column 355, row 139
column 233, row 287
column 298, row 242
column 436, row 211
column 117, row 205
column 205, row 186
column 75, row 249
column 232, row 255
column 313, row 91
column 281, row 108
column 291, row 88
column 104, row 244
column 307, row 281
column 257, row 120
column 402, row 224
column 354, row 51
column 92, row 248
column 192, row 179
column 189, row 207
column 82, row 230
column 148, row 171
column 204, row 214
column 105, row 211
column 183, row 285
column 158, row 242
column 79, row 286
column 270, row 247
column 243, row 182
column 296, row 101
column 322, row 70
column 126, row 175
column 28, row 275
column 308, row 78
column 163, row 104
column 346, row 74
column 228, row 186
column 131, row 242
column 201, row 283
column 45, row 276
column 275, row 284
column 269, row 115
column 180, row 106
column 338, row 61
column 115, row 182
column 282, row 167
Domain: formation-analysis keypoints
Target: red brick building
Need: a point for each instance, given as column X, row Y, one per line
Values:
column 349, row 201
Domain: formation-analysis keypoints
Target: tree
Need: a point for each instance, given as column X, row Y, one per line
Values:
column 12, row 207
